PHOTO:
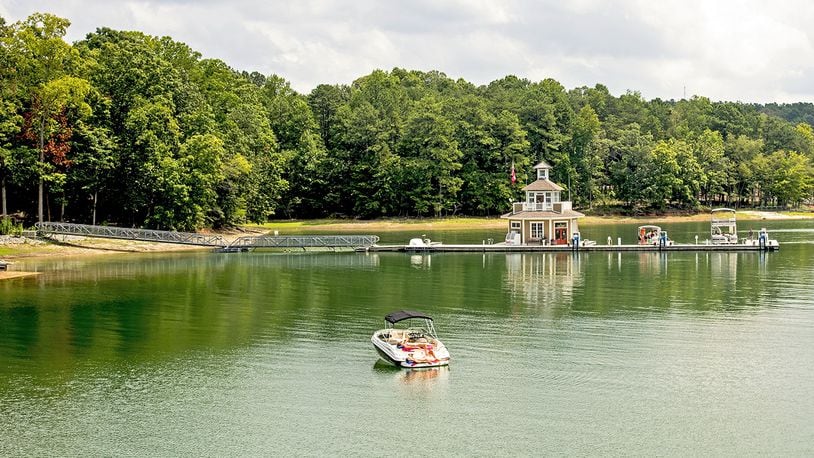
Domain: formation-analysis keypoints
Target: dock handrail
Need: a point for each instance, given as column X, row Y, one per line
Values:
column 305, row 241
column 114, row 232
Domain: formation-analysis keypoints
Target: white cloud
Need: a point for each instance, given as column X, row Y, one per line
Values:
column 750, row 50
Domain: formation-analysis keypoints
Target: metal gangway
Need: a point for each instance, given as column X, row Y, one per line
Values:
column 302, row 241
column 244, row 243
column 113, row 232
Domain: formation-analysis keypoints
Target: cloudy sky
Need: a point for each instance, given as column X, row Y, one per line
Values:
column 751, row 50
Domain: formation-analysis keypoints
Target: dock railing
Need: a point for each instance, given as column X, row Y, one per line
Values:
column 191, row 238
column 113, row 232
column 305, row 241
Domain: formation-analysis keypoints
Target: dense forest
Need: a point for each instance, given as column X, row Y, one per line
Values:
column 129, row 129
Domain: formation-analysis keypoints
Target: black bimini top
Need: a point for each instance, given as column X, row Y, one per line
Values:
column 401, row 315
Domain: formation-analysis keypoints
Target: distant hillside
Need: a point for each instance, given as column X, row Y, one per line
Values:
column 792, row 112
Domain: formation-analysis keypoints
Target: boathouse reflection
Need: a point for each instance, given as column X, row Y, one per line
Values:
column 540, row 278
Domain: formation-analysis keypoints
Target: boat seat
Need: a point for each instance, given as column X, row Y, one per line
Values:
column 396, row 337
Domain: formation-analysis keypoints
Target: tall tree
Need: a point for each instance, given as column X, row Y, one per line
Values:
column 435, row 158
column 45, row 65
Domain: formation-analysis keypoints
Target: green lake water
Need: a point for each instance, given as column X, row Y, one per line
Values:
column 270, row 353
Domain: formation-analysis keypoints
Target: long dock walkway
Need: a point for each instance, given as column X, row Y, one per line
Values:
column 245, row 243
column 302, row 241
column 503, row 248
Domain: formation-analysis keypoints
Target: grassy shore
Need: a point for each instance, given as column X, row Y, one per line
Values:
column 426, row 224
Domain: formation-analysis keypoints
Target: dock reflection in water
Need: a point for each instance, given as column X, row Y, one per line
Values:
column 542, row 278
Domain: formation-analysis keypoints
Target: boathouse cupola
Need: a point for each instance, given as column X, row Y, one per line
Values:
column 542, row 170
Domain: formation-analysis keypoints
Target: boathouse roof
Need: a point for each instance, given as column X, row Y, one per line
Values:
column 542, row 185
column 543, row 165
column 543, row 215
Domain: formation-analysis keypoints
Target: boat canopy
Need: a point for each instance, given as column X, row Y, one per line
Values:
column 402, row 315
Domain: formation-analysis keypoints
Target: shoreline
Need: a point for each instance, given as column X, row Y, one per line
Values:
column 71, row 246
column 8, row 275
column 464, row 223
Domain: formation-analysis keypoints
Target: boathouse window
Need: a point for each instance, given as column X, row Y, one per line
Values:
column 515, row 226
column 537, row 231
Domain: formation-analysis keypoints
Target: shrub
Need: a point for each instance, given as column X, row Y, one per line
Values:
column 7, row 227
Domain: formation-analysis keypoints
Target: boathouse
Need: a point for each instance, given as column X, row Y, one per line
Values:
column 542, row 218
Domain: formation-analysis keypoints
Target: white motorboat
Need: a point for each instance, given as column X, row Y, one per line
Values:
column 411, row 346
column 421, row 244
column 653, row 235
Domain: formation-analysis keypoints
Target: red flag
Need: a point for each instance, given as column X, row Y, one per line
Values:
column 514, row 176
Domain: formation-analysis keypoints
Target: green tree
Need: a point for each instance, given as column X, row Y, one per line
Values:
column 10, row 120
column 430, row 144
column 709, row 153
column 93, row 162
column 690, row 117
column 45, row 65
column 490, row 145
column 790, row 177
column 629, row 165
column 740, row 151
column 661, row 174
column 586, row 163
column 325, row 101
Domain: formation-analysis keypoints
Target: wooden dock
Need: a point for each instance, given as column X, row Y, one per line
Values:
column 503, row 248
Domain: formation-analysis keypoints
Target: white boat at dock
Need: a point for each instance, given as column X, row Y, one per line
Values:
column 421, row 244
column 653, row 235
column 724, row 231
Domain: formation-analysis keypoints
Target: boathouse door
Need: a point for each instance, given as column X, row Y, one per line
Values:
column 561, row 232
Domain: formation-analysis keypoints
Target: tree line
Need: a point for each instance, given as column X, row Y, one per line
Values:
column 130, row 129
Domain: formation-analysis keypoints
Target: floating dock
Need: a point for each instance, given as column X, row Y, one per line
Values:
column 503, row 248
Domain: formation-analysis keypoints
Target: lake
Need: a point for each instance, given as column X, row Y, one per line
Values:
column 269, row 353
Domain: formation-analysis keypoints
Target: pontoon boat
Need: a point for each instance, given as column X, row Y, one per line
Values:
column 412, row 346
column 724, row 229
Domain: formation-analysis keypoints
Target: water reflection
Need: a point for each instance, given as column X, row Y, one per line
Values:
column 652, row 263
column 414, row 381
column 132, row 267
column 421, row 261
column 543, row 277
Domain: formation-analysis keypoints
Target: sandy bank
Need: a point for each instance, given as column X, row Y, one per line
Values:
column 6, row 275
column 428, row 224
